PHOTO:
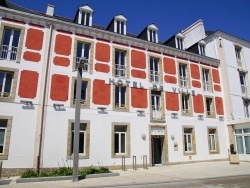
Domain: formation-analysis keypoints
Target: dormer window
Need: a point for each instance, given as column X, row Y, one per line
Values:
column 85, row 15
column 152, row 33
column 179, row 41
column 120, row 24
column 201, row 46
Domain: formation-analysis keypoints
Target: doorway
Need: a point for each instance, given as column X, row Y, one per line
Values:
column 157, row 147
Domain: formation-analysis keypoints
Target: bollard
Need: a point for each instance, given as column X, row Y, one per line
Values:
column 123, row 163
column 145, row 162
column 134, row 162
column 1, row 165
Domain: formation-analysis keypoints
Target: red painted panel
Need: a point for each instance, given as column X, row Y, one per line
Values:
column 28, row 84
column 59, row 87
column 196, row 84
column 198, row 103
column 138, row 74
column 170, row 79
column 34, row 39
column 139, row 98
column 101, row 92
column 217, row 88
column 172, row 101
column 219, row 105
column 63, row 44
column 61, row 61
column 216, row 76
column 195, row 71
column 169, row 66
column 32, row 56
column 138, row 59
column 101, row 68
column 102, row 52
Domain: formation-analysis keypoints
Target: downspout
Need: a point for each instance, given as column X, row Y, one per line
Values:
column 43, row 118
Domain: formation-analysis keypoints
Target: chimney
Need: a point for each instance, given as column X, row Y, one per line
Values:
column 50, row 10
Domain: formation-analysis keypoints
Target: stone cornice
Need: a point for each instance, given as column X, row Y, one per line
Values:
column 103, row 34
column 229, row 37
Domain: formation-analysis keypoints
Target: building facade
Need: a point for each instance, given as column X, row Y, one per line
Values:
column 139, row 98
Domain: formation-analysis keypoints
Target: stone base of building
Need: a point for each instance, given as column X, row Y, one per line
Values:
column 234, row 159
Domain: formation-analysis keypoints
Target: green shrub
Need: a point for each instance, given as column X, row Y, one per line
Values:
column 29, row 174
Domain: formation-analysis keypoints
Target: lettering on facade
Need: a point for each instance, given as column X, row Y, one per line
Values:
column 181, row 90
column 157, row 131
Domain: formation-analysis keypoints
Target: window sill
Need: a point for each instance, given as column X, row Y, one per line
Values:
column 214, row 152
column 186, row 153
column 120, row 109
column 120, row 156
column 157, row 120
column 3, row 157
column 71, row 157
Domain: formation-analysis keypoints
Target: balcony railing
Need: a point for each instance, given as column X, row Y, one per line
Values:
column 120, row 70
column 154, row 75
column 244, row 89
column 239, row 63
column 207, row 86
column 85, row 66
column 156, row 113
column 8, row 52
column 5, row 95
column 183, row 81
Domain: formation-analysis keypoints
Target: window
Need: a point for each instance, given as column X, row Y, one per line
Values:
column 209, row 107
column 179, row 43
column 120, row 139
column 154, row 69
column 83, row 92
column 185, row 103
column 85, row 15
column 152, row 33
column 5, row 131
column 212, row 145
column 242, row 137
column 85, row 18
column 9, row 44
column 238, row 56
column 120, row 97
column 156, row 105
column 152, row 36
column 6, row 79
column 83, row 51
column 189, row 141
column 206, row 80
column 201, row 49
column 243, row 83
column 120, row 63
column 246, row 107
column 183, row 75
column 84, row 139
column 120, row 27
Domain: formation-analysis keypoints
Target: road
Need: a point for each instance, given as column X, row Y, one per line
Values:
column 225, row 182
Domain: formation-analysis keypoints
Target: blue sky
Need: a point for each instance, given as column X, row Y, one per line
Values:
column 170, row 16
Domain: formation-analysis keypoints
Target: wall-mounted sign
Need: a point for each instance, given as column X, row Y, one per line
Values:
column 157, row 131
column 175, row 146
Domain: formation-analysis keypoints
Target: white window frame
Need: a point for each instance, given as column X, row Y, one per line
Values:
column 2, row 92
column 156, row 106
column 9, row 52
column 86, row 93
column 120, row 70
column 242, row 135
column 212, row 141
column 72, row 138
column 238, row 56
column 185, row 103
column 244, row 88
column 86, row 64
column 154, row 70
column 179, row 42
column 246, row 104
column 119, row 104
column 206, row 80
column 118, row 23
column 188, row 136
column 5, row 133
column 210, row 112
column 119, row 133
column 183, row 75
column 201, row 49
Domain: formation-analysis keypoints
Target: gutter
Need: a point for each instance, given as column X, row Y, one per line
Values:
column 45, row 93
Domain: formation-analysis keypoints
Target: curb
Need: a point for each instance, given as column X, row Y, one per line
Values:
column 5, row 182
column 59, row 178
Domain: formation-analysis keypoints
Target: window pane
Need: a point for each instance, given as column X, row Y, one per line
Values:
column 247, row 144
column 1, row 80
column 242, row 82
column 154, row 37
column 72, row 142
column 79, row 50
column 238, row 131
column 189, row 143
column 86, row 50
column 6, row 39
column 122, row 143
column 16, row 38
column 116, row 143
column 83, row 18
column 122, row 28
column 87, row 19
column 8, row 83
column 118, row 26
column 239, row 143
column 247, row 130
column 1, row 149
column 122, row 58
column 2, row 134
column 185, row 140
column 123, row 91
column 116, row 95
column 81, row 142
column 83, row 92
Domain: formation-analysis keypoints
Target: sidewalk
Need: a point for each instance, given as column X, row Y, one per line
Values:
column 157, row 174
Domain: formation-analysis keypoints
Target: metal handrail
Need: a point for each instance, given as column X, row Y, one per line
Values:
column 85, row 66
column 8, row 52
column 5, row 95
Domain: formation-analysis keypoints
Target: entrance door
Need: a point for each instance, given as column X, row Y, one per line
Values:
column 157, row 143
column 243, row 143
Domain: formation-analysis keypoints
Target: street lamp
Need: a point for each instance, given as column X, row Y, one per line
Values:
column 79, row 67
